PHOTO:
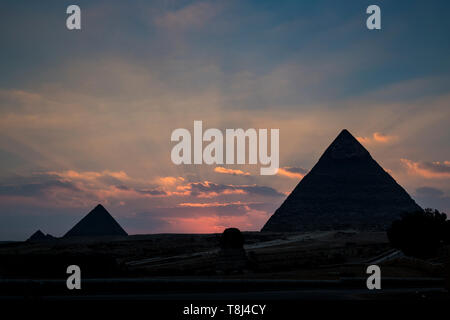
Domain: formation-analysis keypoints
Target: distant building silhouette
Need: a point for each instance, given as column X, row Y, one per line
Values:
column 345, row 189
column 98, row 222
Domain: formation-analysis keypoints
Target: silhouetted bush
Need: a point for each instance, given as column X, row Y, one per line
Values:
column 420, row 234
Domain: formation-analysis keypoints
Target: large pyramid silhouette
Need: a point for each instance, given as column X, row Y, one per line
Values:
column 346, row 189
column 98, row 222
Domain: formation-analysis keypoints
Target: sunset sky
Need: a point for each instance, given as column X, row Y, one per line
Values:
column 86, row 116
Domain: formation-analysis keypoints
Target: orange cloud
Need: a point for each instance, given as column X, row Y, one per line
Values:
column 74, row 189
column 292, row 173
column 89, row 175
column 231, row 171
column 103, row 186
column 213, row 204
column 379, row 137
column 376, row 137
column 235, row 191
column 214, row 194
column 430, row 170
column 168, row 181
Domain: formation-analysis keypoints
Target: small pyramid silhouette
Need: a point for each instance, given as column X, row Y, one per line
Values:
column 98, row 222
column 39, row 236
column 346, row 189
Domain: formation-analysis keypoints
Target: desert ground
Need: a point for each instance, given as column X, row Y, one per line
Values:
column 316, row 265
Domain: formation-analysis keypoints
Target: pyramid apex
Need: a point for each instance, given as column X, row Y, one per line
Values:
column 99, row 209
column 38, row 232
column 345, row 146
column 345, row 132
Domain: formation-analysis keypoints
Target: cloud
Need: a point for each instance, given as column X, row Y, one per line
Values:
column 199, row 188
column 107, row 184
column 429, row 191
column 377, row 138
column 90, row 175
column 430, row 170
column 169, row 181
column 192, row 208
column 36, row 189
column 154, row 192
column 117, row 189
column 234, row 172
column 194, row 15
column 292, row 172
column 430, row 197
column 213, row 204
column 74, row 189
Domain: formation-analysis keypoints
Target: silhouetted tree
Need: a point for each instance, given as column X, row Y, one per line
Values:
column 420, row 234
